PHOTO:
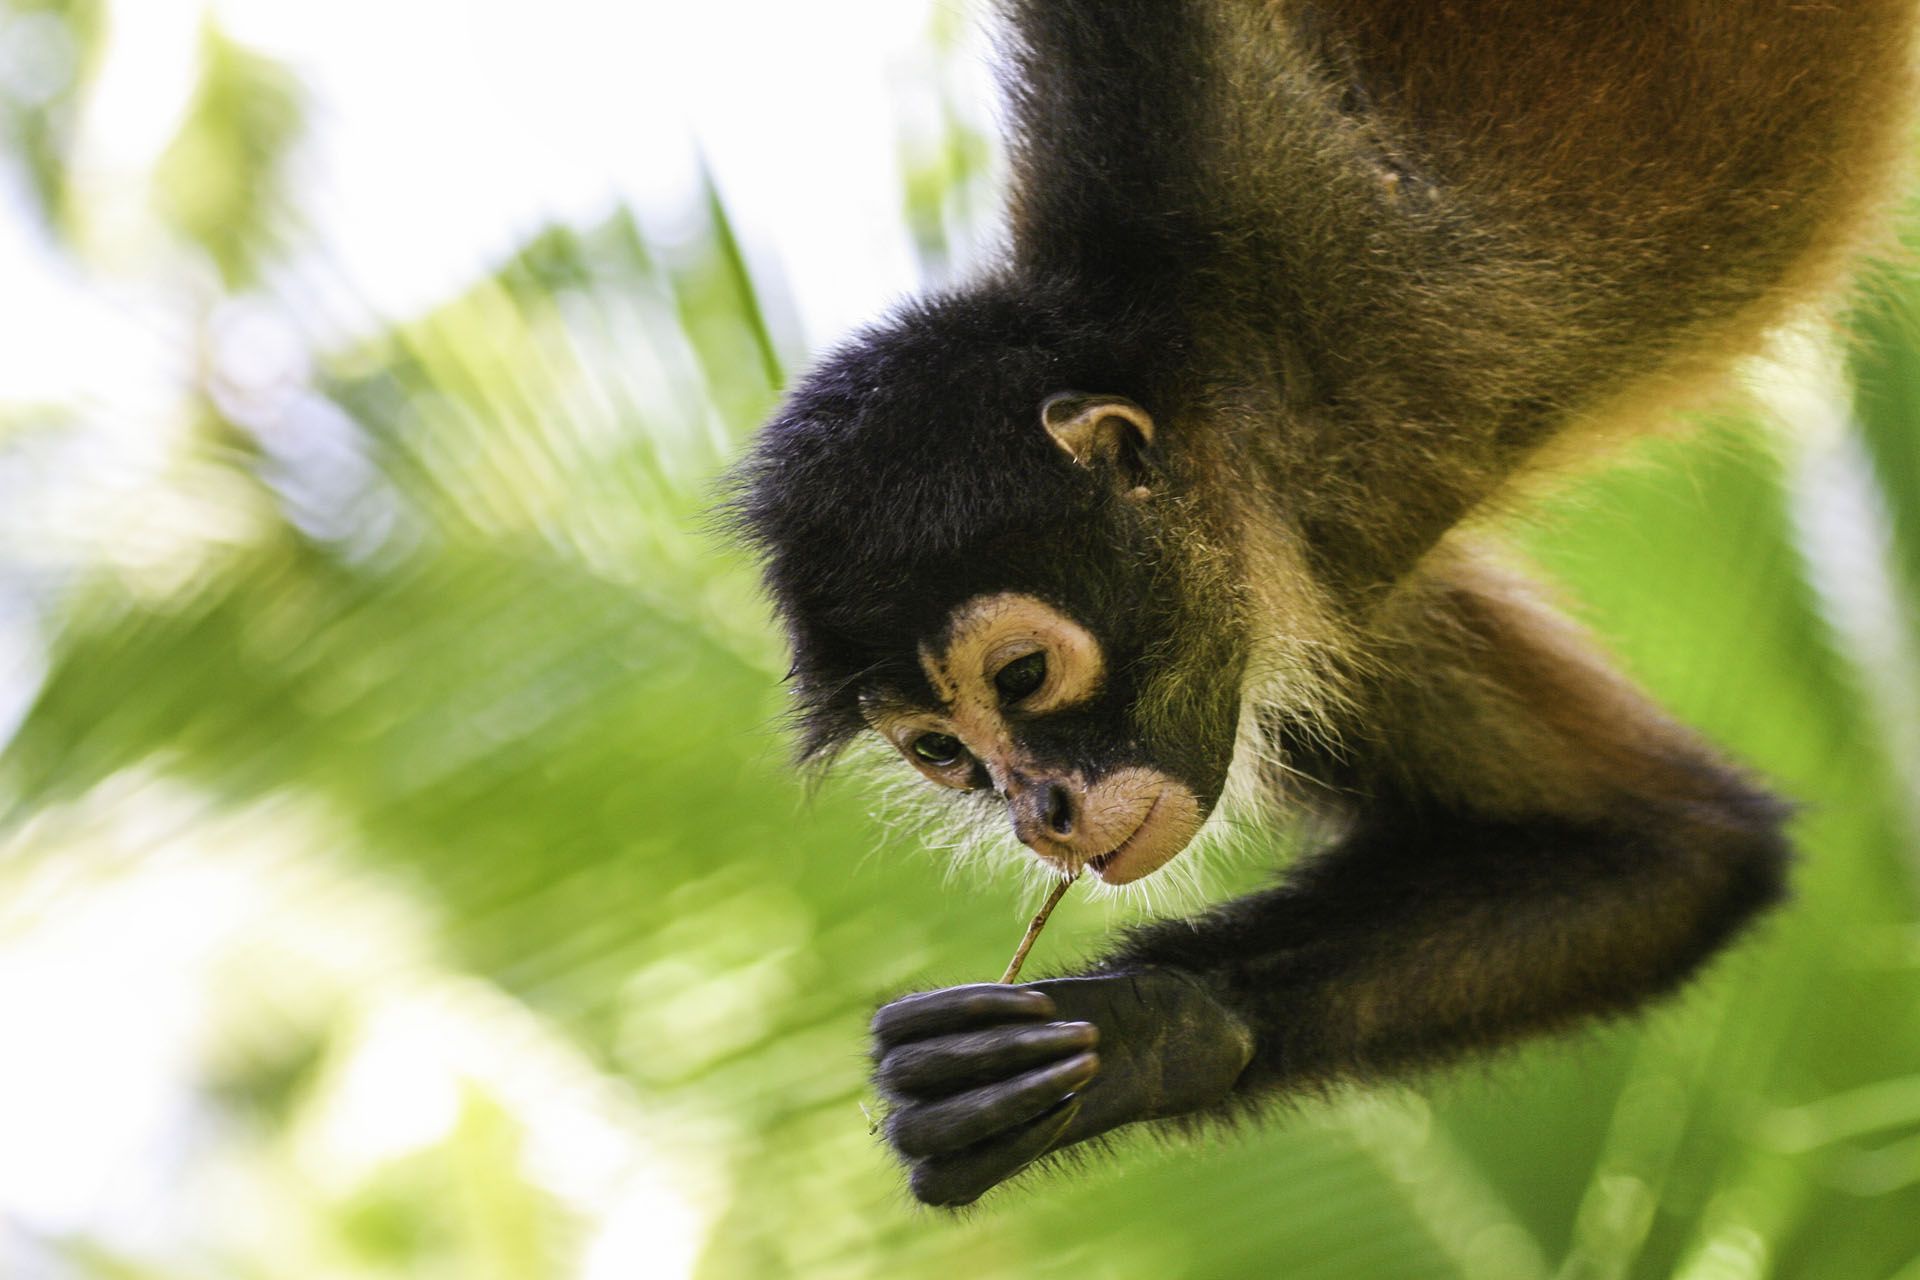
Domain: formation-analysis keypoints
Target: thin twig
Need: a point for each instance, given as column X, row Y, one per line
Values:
column 1033, row 930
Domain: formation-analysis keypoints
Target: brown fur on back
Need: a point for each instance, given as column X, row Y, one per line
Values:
column 1488, row 249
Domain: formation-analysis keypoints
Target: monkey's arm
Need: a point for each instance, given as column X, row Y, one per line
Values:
column 1535, row 844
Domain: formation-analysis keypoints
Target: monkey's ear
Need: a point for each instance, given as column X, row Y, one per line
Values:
column 1097, row 431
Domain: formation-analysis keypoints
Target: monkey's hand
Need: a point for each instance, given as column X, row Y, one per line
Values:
column 985, row 1079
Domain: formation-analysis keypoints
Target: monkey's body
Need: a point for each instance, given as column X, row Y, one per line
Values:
column 1328, row 278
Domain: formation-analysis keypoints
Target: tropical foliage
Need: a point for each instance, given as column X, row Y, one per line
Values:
column 399, row 873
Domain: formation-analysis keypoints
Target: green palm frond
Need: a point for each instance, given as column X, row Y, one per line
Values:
column 434, row 754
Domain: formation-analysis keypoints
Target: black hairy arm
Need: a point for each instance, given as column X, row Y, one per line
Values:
column 1529, row 844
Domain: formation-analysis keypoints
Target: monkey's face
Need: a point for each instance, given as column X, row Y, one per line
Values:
column 1031, row 592
column 1022, row 705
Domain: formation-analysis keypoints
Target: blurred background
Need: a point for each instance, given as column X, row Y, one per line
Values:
column 399, row 871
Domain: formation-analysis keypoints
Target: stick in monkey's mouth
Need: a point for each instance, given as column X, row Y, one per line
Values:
column 1033, row 929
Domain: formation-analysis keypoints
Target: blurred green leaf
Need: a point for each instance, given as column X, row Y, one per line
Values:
column 221, row 182
column 49, row 50
column 418, row 829
column 1886, row 370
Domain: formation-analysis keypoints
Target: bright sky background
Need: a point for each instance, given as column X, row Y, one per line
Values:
column 446, row 131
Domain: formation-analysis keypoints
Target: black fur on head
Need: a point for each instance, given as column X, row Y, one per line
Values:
column 910, row 471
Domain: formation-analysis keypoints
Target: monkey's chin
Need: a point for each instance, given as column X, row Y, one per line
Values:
column 1170, row 824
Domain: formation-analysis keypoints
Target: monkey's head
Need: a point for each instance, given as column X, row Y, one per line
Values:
column 988, row 548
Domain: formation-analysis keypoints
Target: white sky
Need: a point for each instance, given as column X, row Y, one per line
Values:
column 446, row 131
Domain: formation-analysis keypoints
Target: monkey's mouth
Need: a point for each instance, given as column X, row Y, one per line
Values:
column 1169, row 824
column 1100, row 864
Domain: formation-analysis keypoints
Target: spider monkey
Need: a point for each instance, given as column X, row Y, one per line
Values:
column 1185, row 486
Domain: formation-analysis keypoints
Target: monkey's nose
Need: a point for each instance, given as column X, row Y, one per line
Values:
column 1060, row 810
column 1045, row 813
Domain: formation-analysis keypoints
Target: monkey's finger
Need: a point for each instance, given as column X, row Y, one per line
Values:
column 932, row 1013
column 934, row 1128
column 942, row 1065
column 966, row 1175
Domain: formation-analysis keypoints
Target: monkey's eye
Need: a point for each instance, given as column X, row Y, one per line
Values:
column 936, row 748
column 1021, row 676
